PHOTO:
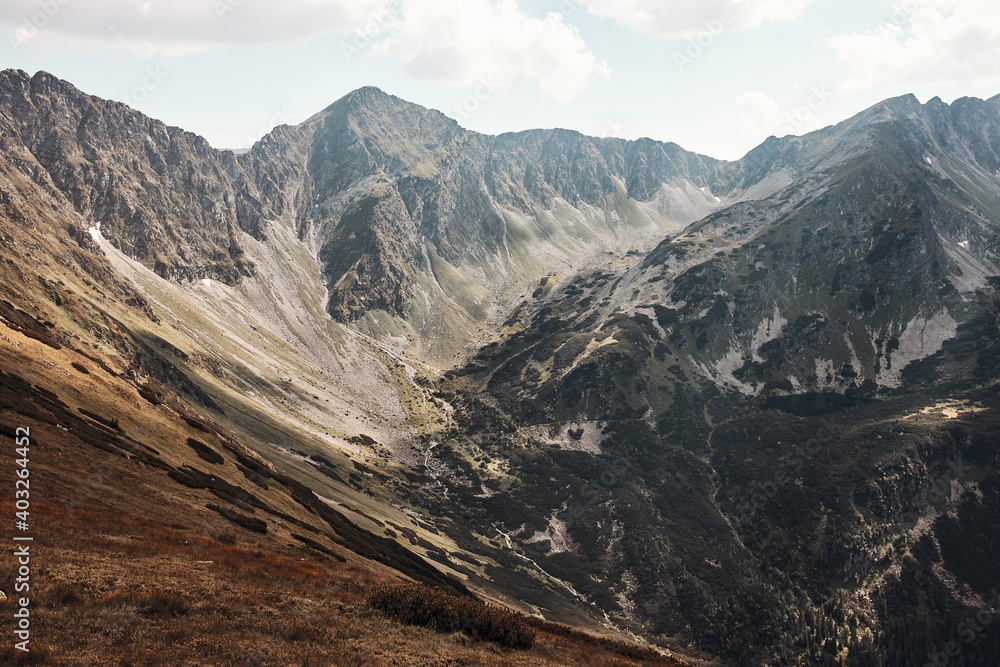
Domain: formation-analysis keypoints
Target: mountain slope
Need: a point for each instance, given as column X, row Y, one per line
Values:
column 657, row 435
column 425, row 228
column 437, row 227
column 162, row 194
column 214, row 421
column 715, row 404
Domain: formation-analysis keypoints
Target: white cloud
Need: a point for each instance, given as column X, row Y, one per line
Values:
column 761, row 115
column 931, row 42
column 456, row 42
column 471, row 42
column 176, row 27
column 687, row 19
column 758, row 112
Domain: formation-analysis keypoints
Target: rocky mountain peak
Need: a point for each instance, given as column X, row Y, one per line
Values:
column 161, row 194
column 658, row 343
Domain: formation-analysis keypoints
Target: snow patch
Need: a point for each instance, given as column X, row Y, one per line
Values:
column 921, row 338
column 586, row 437
column 557, row 535
column 769, row 185
column 971, row 272
column 936, row 166
column 723, row 372
column 768, row 330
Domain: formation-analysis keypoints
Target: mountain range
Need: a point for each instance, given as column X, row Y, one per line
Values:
column 740, row 411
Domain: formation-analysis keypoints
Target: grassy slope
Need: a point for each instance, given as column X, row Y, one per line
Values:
column 131, row 565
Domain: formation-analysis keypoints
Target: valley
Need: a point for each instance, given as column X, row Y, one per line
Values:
column 708, row 412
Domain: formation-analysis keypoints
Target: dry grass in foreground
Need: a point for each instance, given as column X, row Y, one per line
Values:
column 133, row 563
column 418, row 605
column 121, row 590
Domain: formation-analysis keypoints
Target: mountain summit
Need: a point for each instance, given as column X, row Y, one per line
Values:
column 742, row 409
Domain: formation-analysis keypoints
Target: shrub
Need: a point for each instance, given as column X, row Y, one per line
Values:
column 109, row 423
column 228, row 539
column 151, row 396
column 435, row 609
column 313, row 544
column 296, row 632
column 41, row 338
column 603, row 644
column 61, row 594
column 150, row 603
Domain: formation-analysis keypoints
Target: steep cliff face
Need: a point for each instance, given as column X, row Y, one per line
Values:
column 425, row 231
column 429, row 233
column 461, row 222
column 745, row 406
column 164, row 196
column 860, row 264
column 493, row 213
column 739, row 422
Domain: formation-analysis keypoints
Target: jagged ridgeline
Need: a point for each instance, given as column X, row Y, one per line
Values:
column 742, row 408
column 423, row 229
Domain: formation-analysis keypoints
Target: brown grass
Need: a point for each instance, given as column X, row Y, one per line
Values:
column 121, row 589
column 130, row 568
column 147, row 602
column 432, row 608
column 38, row 655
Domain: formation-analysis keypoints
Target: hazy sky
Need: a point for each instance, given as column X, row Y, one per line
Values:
column 715, row 76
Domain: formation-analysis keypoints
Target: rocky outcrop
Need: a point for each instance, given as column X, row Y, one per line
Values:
column 457, row 189
column 162, row 195
column 901, row 195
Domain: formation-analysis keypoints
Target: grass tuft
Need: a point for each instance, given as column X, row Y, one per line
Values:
column 149, row 603
column 62, row 593
column 435, row 609
column 10, row 655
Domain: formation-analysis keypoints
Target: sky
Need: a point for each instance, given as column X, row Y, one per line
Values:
column 715, row 76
